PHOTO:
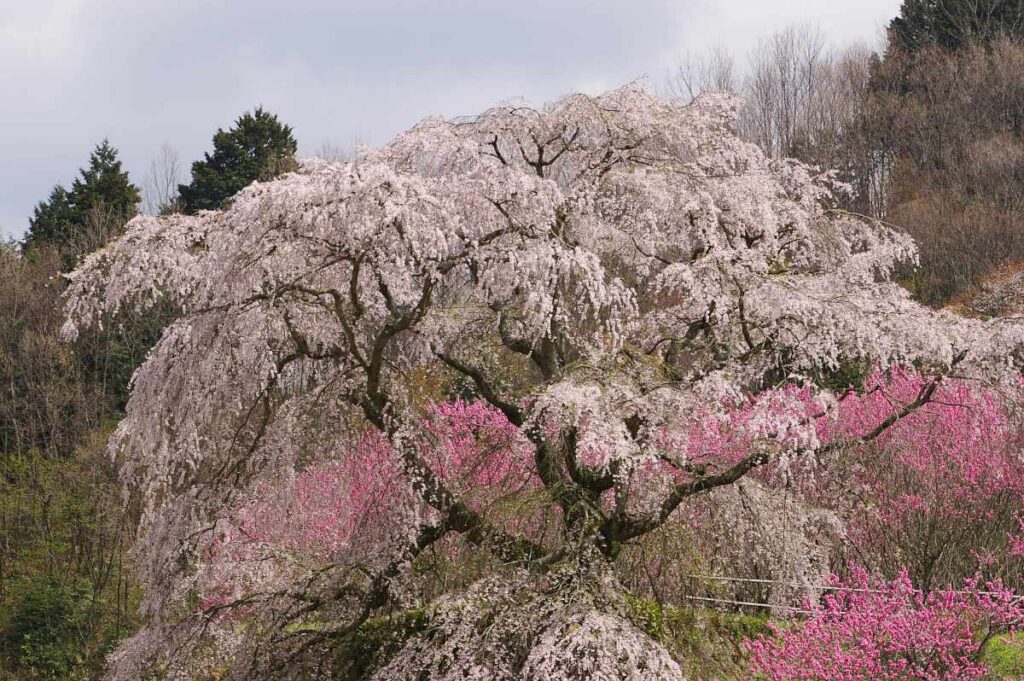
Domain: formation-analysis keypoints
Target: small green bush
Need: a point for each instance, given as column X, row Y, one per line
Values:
column 375, row 642
column 708, row 643
column 44, row 635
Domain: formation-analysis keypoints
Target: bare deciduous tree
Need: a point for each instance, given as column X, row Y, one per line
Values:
column 695, row 74
column 801, row 99
column 339, row 153
column 160, row 190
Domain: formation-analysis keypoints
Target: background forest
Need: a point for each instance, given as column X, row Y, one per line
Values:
column 925, row 133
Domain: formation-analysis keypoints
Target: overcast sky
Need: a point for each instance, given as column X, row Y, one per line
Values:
column 144, row 73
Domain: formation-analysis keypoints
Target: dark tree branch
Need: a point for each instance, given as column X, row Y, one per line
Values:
column 621, row 529
column 512, row 412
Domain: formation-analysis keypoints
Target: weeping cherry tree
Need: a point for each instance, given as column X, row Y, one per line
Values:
column 603, row 276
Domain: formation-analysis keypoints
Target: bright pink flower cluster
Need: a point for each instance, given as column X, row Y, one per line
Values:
column 887, row 631
column 958, row 448
column 326, row 504
column 946, row 476
column 1017, row 540
column 470, row 445
column 355, row 505
column 477, row 447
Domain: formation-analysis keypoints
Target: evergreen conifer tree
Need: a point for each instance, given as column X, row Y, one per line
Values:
column 954, row 23
column 51, row 219
column 105, row 187
column 101, row 200
column 258, row 148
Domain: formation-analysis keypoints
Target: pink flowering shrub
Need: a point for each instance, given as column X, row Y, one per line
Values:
column 1017, row 540
column 474, row 449
column 959, row 446
column 477, row 448
column 937, row 493
column 881, row 631
column 352, row 507
column 322, row 508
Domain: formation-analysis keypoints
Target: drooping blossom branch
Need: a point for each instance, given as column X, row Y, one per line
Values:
column 603, row 271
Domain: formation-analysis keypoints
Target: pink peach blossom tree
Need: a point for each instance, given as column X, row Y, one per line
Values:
column 890, row 631
column 937, row 494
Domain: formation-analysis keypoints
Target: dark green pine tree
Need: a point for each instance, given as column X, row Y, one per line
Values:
column 104, row 188
column 258, row 148
column 102, row 199
column 52, row 220
column 953, row 23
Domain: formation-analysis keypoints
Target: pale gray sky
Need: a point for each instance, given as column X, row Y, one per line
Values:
column 150, row 72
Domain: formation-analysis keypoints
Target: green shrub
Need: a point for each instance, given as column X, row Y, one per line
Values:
column 44, row 635
column 375, row 642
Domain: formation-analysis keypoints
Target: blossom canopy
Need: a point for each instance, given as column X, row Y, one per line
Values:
column 603, row 271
